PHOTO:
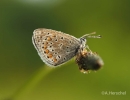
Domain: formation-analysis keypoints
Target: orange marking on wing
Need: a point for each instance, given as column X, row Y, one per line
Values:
column 45, row 46
column 49, row 39
column 46, row 51
column 55, row 60
column 50, row 55
column 46, row 43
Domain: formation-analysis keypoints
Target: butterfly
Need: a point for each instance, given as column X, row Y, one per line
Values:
column 55, row 48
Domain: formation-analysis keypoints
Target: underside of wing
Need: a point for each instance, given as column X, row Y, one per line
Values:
column 55, row 47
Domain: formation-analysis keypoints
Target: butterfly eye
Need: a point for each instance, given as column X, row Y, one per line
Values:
column 83, row 39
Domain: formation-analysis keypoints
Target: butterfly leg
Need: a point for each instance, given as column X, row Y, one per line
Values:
column 87, row 47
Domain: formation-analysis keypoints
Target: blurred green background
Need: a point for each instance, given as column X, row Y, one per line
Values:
column 23, row 75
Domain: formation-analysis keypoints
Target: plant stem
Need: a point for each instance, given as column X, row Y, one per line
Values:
column 39, row 75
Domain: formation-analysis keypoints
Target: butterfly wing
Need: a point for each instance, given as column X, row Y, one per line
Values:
column 55, row 47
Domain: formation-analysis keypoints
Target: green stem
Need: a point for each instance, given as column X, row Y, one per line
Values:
column 31, row 83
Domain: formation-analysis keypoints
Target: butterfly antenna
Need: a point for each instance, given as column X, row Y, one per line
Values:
column 90, row 35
